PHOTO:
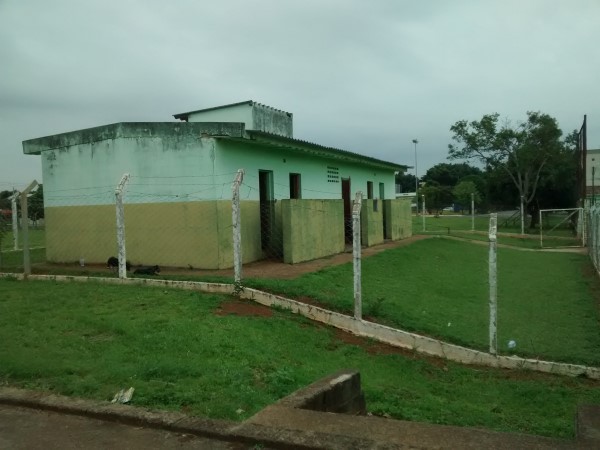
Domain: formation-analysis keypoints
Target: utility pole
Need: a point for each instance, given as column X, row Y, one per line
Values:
column 415, row 141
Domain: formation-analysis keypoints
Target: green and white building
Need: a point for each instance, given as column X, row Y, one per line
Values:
column 296, row 196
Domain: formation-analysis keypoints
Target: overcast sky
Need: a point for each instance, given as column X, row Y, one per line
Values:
column 365, row 76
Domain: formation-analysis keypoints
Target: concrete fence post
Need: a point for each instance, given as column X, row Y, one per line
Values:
column 356, row 245
column 15, row 219
column 119, row 191
column 493, row 285
column 472, row 212
column 25, row 226
column 423, row 211
column 236, row 225
column 522, row 214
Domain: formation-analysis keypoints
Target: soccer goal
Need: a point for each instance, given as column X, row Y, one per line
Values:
column 562, row 228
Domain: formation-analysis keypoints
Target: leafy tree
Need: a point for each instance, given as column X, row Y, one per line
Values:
column 436, row 197
column 521, row 151
column 5, row 199
column 406, row 181
column 481, row 185
column 449, row 174
column 35, row 205
column 462, row 194
column 4, row 228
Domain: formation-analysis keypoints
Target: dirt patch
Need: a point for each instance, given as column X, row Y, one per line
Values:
column 243, row 308
column 381, row 348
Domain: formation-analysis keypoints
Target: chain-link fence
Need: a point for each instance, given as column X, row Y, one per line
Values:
column 185, row 226
column 593, row 235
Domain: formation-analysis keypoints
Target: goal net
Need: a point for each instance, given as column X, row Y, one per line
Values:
column 562, row 228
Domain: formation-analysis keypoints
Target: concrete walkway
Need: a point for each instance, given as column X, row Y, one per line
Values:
column 319, row 416
column 32, row 429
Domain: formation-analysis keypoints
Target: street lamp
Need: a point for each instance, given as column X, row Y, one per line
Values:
column 415, row 141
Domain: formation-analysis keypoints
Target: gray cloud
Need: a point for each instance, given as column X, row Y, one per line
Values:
column 363, row 76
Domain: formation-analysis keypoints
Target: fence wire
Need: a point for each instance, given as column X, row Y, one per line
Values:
column 593, row 235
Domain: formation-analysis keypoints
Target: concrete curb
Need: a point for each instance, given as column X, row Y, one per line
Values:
column 222, row 430
column 245, row 432
column 287, row 425
column 381, row 333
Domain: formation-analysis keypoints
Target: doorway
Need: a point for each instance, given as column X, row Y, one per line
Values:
column 347, row 210
column 266, row 200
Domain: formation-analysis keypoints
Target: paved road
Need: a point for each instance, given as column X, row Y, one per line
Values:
column 24, row 428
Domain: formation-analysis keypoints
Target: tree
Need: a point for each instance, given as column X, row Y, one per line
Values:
column 5, row 199
column 449, row 174
column 436, row 197
column 462, row 194
column 406, row 181
column 35, row 205
column 4, row 228
column 522, row 151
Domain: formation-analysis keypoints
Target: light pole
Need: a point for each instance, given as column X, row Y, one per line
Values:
column 415, row 141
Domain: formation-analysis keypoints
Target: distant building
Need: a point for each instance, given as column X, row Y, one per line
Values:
column 592, row 176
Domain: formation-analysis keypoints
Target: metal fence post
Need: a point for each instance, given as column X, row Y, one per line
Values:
column 356, row 255
column 121, row 225
column 25, row 225
column 237, row 231
column 493, row 285
column 15, row 219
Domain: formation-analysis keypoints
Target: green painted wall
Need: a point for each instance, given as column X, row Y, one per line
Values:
column 371, row 222
column 312, row 229
column 315, row 183
column 398, row 218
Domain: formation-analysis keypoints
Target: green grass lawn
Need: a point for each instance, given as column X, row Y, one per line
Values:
column 91, row 340
column 37, row 238
column 11, row 260
column 461, row 226
column 547, row 302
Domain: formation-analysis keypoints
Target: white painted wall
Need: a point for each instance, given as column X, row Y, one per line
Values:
column 237, row 113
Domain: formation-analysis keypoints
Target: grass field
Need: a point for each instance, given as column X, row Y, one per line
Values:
column 547, row 302
column 440, row 288
column 461, row 225
column 181, row 353
column 11, row 260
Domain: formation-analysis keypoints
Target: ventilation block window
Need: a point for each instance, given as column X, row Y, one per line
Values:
column 333, row 174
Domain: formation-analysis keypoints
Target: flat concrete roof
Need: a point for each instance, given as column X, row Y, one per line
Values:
column 220, row 130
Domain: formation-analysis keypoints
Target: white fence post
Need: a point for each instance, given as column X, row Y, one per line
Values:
column 121, row 225
column 423, row 211
column 356, row 255
column 25, row 225
column 522, row 215
column 493, row 285
column 237, row 230
column 472, row 212
column 15, row 219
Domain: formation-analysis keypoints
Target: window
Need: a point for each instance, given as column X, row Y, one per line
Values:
column 333, row 174
column 295, row 187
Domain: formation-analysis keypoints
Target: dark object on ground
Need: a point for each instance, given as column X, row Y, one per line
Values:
column 147, row 270
column 113, row 263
